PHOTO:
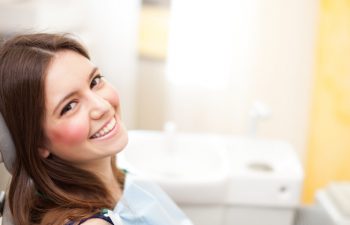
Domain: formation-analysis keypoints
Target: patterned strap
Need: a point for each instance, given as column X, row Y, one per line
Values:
column 103, row 215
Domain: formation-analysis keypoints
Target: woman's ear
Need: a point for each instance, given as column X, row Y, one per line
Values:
column 44, row 152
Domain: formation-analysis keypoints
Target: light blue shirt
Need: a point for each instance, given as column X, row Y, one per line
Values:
column 144, row 203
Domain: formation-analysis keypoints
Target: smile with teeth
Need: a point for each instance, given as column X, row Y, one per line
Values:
column 106, row 129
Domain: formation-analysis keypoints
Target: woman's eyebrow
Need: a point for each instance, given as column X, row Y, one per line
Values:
column 92, row 73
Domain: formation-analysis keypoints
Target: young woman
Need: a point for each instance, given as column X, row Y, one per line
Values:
column 64, row 120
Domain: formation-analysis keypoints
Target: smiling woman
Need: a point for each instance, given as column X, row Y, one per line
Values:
column 64, row 119
column 82, row 122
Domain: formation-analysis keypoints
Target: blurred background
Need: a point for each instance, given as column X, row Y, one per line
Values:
column 205, row 65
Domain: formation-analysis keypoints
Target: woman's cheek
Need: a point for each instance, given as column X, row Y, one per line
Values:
column 70, row 134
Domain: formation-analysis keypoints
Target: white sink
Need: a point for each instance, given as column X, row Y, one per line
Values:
column 218, row 179
column 263, row 173
column 187, row 166
column 207, row 168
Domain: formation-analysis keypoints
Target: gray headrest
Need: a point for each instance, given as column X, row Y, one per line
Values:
column 7, row 148
column 7, row 218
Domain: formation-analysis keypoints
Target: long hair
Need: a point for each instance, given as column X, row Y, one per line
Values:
column 41, row 190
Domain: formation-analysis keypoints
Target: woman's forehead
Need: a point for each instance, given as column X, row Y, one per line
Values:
column 68, row 64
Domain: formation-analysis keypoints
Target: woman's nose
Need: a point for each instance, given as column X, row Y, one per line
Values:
column 99, row 107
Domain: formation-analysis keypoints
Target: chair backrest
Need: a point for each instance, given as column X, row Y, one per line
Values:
column 7, row 147
column 2, row 202
column 5, row 210
column 7, row 156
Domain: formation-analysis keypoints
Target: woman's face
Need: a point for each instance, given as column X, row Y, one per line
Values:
column 82, row 121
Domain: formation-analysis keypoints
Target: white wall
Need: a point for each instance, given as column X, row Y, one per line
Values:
column 263, row 50
column 285, row 67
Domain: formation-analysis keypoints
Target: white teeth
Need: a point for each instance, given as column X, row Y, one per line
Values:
column 106, row 129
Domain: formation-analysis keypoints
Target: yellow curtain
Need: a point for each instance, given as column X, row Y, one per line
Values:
column 328, row 156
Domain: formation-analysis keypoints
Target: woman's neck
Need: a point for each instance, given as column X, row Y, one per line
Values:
column 103, row 169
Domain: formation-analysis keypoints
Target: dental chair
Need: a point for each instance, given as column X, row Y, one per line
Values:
column 7, row 156
column 5, row 213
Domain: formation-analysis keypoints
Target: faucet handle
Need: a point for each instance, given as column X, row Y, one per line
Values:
column 169, row 127
column 258, row 112
column 170, row 140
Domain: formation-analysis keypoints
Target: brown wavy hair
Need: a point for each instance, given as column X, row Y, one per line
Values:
column 41, row 190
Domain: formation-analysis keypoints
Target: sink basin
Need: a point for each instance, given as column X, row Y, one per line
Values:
column 188, row 166
column 264, row 172
column 219, row 179
column 207, row 168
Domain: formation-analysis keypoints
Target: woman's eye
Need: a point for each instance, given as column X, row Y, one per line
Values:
column 68, row 107
column 97, row 79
